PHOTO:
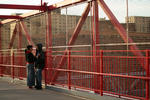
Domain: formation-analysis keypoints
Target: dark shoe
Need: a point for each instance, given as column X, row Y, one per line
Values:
column 36, row 86
column 30, row 87
column 39, row 88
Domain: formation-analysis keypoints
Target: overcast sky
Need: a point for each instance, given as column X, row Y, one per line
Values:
column 118, row 7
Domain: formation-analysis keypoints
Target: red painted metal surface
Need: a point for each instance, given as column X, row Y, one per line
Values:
column 65, row 3
column 48, row 43
column 117, row 72
column 96, row 41
column 50, row 30
column 113, row 72
column 101, row 71
column 79, row 25
column 41, row 2
column 1, row 62
column 147, row 75
column 26, row 33
column 20, row 36
column 69, row 68
column 26, row 7
column 42, row 8
column 0, row 37
column 119, row 27
column 12, row 67
column 19, row 49
column 10, row 17
column 13, row 38
column 73, row 38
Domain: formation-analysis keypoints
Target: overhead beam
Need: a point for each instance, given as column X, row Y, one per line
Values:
column 67, row 3
column 64, row 3
column 25, row 7
column 10, row 17
column 23, row 16
column 41, row 7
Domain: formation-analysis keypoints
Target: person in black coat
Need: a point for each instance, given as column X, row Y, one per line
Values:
column 39, row 65
column 30, row 59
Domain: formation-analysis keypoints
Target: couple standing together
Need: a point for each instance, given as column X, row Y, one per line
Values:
column 35, row 65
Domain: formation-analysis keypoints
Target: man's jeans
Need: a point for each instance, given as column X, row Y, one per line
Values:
column 38, row 77
column 30, row 75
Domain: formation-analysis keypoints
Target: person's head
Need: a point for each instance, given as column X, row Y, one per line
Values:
column 30, row 47
column 39, row 47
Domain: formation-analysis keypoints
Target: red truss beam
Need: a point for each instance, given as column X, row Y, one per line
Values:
column 44, row 7
column 26, row 7
column 24, row 28
column 0, row 37
column 10, row 17
column 73, row 38
column 66, row 3
column 120, row 29
column 95, row 39
column 13, row 37
column 41, row 7
column 19, row 36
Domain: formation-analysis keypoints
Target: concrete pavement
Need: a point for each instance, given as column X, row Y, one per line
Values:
column 16, row 91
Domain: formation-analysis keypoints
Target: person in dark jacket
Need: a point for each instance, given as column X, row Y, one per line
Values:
column 30, row 59
column 39, row 65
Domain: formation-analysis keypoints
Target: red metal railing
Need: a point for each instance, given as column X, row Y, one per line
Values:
column 121, row 73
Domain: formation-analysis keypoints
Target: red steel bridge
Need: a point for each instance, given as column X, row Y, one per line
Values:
column 121, row 73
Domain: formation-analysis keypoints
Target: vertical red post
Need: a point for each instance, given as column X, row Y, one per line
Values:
column 45, row 70
column 19, row 50
column 41, row 2
column 1, row 72
column 96, row 41
column 47, row 51
column 20, row 37
column 101, row 71
column 48, row 44
column 147, row 74
column 94, row 46
column 12, row 65
column 69, row 68
column 1, row 62
column 0, row 37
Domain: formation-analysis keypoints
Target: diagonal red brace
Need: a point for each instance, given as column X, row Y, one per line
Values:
column 26, row 33
column 13, row 37
column 120, row 29
column 73, row 38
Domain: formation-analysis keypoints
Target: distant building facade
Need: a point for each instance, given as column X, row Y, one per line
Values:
column 142, row 24
column 65, row 24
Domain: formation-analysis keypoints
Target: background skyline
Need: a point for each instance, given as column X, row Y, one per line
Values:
column 118, row 7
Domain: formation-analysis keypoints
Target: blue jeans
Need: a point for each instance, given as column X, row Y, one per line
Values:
column 39, row 77
column 30, row 75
